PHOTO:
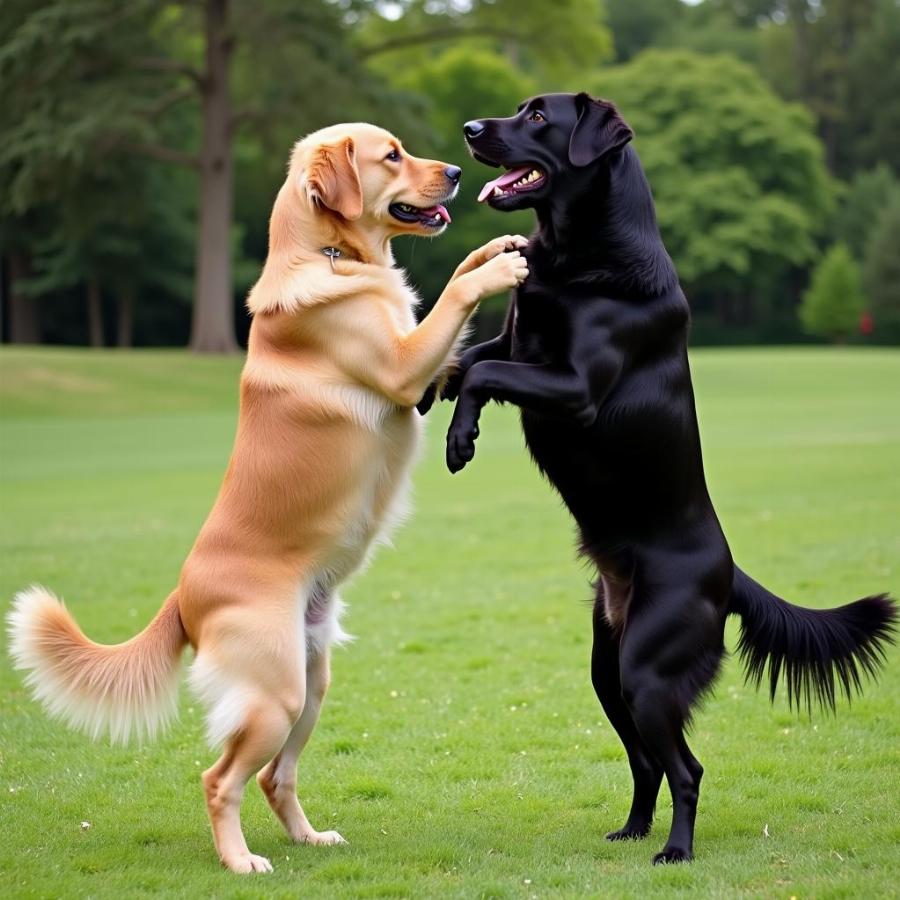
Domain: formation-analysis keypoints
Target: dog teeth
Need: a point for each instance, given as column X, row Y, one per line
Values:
column 532, row 176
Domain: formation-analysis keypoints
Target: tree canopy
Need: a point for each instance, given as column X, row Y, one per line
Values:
column 141, row 144
column 738, row 175
column 834, row 303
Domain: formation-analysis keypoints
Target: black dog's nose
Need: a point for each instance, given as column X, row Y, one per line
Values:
column 473, row 129
column 453, row 173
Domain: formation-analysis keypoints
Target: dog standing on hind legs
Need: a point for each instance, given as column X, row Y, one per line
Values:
column 326, row 435
column 594, row 352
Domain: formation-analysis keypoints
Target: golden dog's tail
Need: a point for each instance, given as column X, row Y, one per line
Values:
column 129, row 690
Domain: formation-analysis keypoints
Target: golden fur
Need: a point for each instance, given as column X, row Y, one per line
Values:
column 326, row 435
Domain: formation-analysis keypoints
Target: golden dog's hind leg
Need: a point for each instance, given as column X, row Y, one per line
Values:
column 263, row 729
column 278, row 779
column 254, row 699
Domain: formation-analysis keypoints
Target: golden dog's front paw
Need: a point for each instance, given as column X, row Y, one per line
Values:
column 245, row 863
column 502, row 244
column 321, row 838
column 502, row 272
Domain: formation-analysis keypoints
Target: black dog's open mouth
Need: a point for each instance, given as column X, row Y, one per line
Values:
column 518, row 180
column 431, row 217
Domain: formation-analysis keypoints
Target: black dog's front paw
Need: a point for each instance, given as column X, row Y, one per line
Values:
column 428, row 399
column 450, row 390
column 460, row 446
column 629, row 833
column 672, row 855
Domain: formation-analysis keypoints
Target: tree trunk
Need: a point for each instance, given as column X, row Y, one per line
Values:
column 24, row 312
column 797, row 10
column 212, row 329
column 124, row 325
column 94, row 313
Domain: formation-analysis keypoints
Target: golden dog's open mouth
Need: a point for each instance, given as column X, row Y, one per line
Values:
column 431, row 216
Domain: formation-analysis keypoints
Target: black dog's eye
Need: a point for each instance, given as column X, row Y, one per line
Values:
column 393, row 156
column 537, row 116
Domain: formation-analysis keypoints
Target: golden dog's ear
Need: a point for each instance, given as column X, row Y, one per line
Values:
column 332, row 179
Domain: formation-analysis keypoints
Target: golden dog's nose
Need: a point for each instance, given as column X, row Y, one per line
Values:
column 453, row 173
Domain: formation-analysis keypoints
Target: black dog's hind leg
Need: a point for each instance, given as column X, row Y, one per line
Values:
column 669, row 653
column 645, row 770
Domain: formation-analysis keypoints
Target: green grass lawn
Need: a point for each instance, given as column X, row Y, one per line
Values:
column 461, row 752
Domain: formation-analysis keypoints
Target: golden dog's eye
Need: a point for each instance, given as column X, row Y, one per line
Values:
column 536, row 116
column 393, row 156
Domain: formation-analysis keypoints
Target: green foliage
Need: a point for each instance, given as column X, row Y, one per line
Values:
column 719, row 27
column 121, row 245
column 460, row 83
column 555, row 46
column 871, row 113
column 839, row 58
column 461, row 749
column 96, row 93
column 738, row 177
column 638, row 24
column 867, row 195
column 459, row 65
column 832, row 306
column 881, row 272
column 72, row 93
column 96, row 211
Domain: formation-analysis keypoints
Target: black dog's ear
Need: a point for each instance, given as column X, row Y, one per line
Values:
column 599, row 130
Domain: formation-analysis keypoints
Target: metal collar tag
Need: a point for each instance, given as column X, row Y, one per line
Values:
column 332, row 253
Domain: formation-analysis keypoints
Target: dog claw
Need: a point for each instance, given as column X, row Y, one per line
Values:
column 322, row 839
column 671, row 855
column 244, row 865
column 628, row 834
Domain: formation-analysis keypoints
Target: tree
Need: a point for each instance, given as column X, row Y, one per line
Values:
column 639, row 24
column 834, row 303
column 868, row 194
column 92, row 84
column 102, row 247
column 460, row 83
column 80, row 203
column 480, row 63
column 55, row 140
column 881, row 273
column 23, row 310
column 556, row 47
column 839, row 58
column 871, row 131
column 738, row 175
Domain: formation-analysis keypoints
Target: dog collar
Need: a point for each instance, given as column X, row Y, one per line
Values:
column 332, row 253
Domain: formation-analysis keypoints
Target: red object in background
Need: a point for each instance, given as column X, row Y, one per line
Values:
column 866, row 324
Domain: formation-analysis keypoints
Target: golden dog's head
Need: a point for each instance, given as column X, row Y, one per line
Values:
column 362, row 174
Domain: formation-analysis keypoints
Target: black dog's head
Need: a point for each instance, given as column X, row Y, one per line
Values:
column 551, row 135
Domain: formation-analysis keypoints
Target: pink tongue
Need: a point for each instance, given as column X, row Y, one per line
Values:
column 502, row 181
column 438, row 211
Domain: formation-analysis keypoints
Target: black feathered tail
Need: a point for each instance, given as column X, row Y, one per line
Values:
column 814, row 648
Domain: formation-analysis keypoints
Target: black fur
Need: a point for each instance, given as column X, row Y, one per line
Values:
column 594, row 351
column 813, row 648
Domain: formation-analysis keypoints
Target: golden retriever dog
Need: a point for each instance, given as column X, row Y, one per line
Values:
column 326, row 435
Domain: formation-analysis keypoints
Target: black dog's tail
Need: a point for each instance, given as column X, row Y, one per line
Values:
column 815, row 648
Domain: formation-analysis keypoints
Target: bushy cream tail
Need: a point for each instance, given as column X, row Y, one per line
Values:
column 127, row 690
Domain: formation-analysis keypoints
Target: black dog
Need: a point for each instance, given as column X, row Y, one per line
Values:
column 594, row 351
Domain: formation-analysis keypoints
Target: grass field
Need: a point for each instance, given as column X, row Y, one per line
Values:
column 462, row 752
